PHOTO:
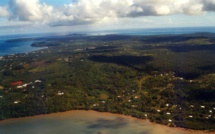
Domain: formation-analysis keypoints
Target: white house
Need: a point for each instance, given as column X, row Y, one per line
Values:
column 168, row 113
column 37, row 81
column 16, row 102
column 202, row 107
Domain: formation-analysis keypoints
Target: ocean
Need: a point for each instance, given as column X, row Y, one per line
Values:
column 24, row 46
column 158, row 31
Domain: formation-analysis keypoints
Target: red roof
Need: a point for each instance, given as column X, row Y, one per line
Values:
column 16, row 83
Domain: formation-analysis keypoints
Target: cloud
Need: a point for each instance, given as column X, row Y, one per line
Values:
column 30, row 10
column 83, row 12
column 3, row 11
column 209, row 5
column 90, row 11
column 165, row 7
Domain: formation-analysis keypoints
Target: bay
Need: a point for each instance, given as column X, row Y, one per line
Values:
column 86, row 122
column 14, row 47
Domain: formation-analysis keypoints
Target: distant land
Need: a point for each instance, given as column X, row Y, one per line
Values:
column 138, row 31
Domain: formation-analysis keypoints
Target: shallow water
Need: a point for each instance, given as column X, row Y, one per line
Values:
column 85, row 122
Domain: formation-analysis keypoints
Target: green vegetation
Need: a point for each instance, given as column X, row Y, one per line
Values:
column 169, row 79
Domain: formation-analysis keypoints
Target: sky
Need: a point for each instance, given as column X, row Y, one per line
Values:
column 58, row 16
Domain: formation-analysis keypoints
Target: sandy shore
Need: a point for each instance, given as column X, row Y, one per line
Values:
column 80, row 121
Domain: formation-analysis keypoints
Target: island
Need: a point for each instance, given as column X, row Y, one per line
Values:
column 168, row 79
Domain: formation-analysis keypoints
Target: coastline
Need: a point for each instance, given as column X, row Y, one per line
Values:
column 106, row 116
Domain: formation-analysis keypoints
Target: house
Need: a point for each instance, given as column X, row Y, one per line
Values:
column 170, row 120
column 133, row 106
column 16, row 102
column 37, row 81
column 202, row 107
column 60, row 93
column 192, row 106
column 25, row 85
column 16, row 83
column 190, row 116
column 136, row 97
column 181, row 78
column 94, row 105
column 19, row 87
column 168, row 113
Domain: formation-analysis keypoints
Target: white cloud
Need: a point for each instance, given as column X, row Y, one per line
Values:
column 166, row 7
column 30, row 10
column 3, row 11
column 91, row 11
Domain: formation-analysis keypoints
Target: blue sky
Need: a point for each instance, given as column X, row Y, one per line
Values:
column 4, row 2
column 41, row 16
column 51, row 2
column 57, row 2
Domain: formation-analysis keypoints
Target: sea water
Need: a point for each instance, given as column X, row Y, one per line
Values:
column 8, row 48
column 158, row 31
column 13, row 44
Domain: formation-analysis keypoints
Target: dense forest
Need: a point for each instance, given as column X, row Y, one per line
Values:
column 168, row 79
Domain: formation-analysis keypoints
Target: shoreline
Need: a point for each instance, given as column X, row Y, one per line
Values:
column 109, row 116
